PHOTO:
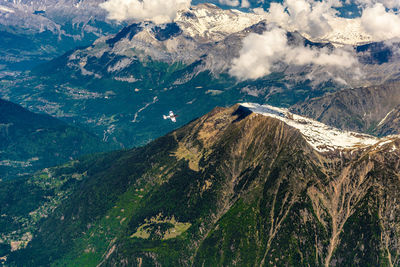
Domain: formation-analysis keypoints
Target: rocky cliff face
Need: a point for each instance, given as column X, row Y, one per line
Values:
column 371, row 109
column 234, row 187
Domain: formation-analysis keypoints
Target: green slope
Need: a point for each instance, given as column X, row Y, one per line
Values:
column 29, row 141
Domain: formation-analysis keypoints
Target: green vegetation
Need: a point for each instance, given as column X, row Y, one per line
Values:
column 29, row 141
column 163, row 228
column 25, row 201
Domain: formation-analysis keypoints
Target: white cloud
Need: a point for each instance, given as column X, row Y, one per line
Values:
column 306, row 16
column 318, row 19
column 235, row 3
column 382, row 24
column 6, row 9
column 259, row 53
column 245, row 4
column 158, row 11
column 387, row 3
column 229, row 2
column 262, row 53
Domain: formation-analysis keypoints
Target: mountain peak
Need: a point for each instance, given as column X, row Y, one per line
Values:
column 322, row 137
column 207, row 22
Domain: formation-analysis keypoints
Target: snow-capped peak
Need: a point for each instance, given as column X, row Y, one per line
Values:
column 322, row 137
column 211, row 23
column 346, row 32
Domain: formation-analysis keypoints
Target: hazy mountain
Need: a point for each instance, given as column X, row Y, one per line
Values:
column 32, row 32
column 246, row 185
column 29, row 141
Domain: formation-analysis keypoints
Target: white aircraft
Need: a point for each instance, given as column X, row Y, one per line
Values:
column 171, row 116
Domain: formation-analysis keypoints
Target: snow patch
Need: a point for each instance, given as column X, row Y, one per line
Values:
column 387, row 115
column 6, row 9
column 394, row 148
column 346, row 32
column 120, row 65
column 320, row 136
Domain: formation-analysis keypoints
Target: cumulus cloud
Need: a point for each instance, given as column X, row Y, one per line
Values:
column 381, row 23
column 235, row 3
column 229, row 2
column 258, row 54
column 307, row 16
column 387, row 3
column 262, row 53
column 380, row 18
column 245, row 4
column 158, row 11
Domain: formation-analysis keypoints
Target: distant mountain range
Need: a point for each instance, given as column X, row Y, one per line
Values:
column 120, row 86
column 48, row 28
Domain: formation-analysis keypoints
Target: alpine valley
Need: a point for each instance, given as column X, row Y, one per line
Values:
column 285, row 150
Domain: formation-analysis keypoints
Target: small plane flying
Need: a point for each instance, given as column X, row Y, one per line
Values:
column 171, row 116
